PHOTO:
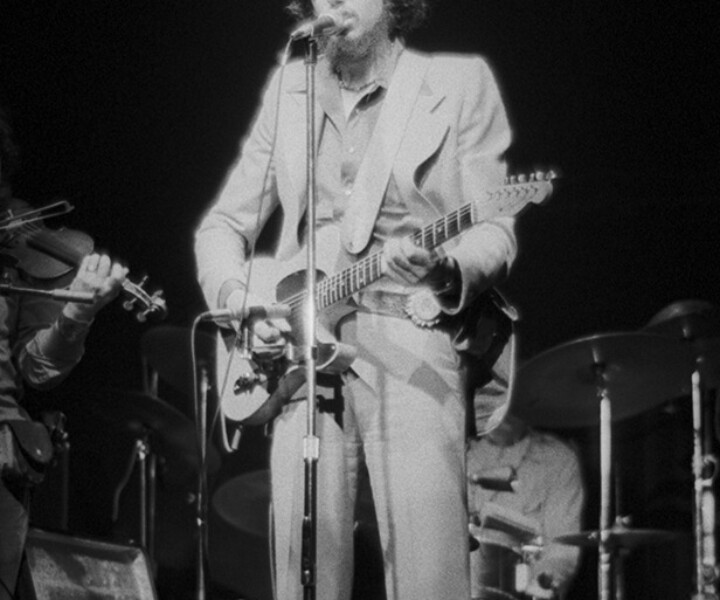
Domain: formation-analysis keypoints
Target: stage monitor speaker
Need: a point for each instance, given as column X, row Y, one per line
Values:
column 64, row 567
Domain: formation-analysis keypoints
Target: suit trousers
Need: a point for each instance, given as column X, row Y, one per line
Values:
column 402, row 412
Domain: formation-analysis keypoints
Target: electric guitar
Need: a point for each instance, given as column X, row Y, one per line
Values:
column 254, row 384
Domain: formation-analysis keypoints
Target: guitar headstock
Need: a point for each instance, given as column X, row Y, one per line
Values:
column 518, row 191
column 145, row 304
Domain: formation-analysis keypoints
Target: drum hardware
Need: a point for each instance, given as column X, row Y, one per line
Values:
column 497, row 565
column 145, row 458
column 621, row 540
column 499, row 479
column 697, row 323
column 244, row 502
column 167, row 354
column 181, row 357
column 605, row 378
column 620, row 537
column 165, row 442
column 55, row 421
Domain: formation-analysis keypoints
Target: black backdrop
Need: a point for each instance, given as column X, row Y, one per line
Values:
column 132, row 111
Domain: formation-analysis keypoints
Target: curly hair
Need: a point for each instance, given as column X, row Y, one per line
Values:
column 405, row 15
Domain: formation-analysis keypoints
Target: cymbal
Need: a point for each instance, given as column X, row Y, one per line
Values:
column 167, row 349
column 698, row 323
column 639, row 370
column 244, row 502
column 620, row 538
column 170, row 433
column 687, row 319
column 707, row 353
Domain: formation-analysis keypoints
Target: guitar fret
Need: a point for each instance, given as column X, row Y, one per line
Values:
column 504, row 200
column 322, row 294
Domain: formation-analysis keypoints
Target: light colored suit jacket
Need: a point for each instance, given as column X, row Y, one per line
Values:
column 441, row 136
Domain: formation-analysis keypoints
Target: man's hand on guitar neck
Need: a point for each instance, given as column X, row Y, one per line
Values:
column 408, row 264
column 265, row 331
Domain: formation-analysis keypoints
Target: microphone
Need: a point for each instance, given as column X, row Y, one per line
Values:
column 325, row 24
column 260, row 311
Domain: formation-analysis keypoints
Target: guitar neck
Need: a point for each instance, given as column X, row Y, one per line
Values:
column 505, row 200
column 367, row 270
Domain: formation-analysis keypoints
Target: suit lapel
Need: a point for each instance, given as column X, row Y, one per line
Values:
column 374, row 172
column 293, row 114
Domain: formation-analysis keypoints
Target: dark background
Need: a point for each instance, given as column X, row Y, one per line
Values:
column 132, row 111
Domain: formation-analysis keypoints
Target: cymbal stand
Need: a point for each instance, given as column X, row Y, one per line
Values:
column 706, row 570
column 311, row 443
column 146, row 460
column 605, row 524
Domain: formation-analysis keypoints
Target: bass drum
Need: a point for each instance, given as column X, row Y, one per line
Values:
column 494, row 565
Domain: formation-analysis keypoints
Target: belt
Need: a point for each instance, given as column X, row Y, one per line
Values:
column 389, row 304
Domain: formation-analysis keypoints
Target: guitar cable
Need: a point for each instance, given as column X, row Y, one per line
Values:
column 218, row 415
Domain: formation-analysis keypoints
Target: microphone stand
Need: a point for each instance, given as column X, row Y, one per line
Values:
column 201, row 508
column 706, row 570
column 311, row 443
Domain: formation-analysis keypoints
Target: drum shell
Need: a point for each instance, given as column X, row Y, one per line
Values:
column 493, row 566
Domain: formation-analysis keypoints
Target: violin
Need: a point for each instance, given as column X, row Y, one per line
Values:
column 46, row 254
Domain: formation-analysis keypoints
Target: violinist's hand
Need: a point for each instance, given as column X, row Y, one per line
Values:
column 265, row 331
column 102, row 277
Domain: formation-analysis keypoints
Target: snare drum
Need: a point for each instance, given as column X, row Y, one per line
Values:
column 494, row 565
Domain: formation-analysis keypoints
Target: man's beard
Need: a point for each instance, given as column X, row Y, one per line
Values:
column 339, row 50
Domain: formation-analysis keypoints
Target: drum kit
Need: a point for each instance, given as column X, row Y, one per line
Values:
column 168, row 448
column 602, row 379
column 593, row 381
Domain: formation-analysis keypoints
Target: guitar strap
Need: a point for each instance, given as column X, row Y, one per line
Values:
column 374, row 172
column 487, row 344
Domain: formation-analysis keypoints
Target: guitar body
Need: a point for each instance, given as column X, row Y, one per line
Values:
column 253, row 389
column 254, row 384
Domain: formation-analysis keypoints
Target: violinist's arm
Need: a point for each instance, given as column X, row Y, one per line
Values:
column 52, row 335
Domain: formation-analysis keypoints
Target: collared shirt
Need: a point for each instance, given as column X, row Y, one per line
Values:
column 343, row 141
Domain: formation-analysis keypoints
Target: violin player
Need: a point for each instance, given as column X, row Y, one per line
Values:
column 41, row 341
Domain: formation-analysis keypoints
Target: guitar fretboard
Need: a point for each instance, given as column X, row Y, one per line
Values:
column 344, row 284
column 503, row 201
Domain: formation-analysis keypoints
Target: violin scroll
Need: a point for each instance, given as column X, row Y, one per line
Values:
column 144, row 303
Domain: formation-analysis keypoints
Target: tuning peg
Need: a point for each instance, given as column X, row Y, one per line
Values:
column 522, row 178
column 543, row 176
column 158, row 304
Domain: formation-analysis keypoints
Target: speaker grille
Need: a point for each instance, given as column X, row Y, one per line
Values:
column 62, row 567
